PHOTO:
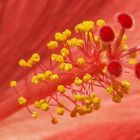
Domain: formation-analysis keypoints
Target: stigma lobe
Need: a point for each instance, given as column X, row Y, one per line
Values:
column 107, row 34
column 137, row 70
column 115, row 68
column 125, row 20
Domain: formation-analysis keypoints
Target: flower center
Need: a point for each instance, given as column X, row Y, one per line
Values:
column 92, row 56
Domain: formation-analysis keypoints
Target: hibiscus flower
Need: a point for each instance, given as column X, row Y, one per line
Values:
column 26, row 27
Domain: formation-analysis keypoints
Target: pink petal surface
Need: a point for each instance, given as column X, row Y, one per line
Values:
column 25, row 27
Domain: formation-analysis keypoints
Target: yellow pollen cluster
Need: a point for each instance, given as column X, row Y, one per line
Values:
column 109, row 90
column 35, row 115
column 87, row 77
column 47, row 75
column 124, row 46
column 132, row 61
column 61, row 88
column 117, row 91
column 75, row 42
column 22, row 100
column 67, row 33
column 126, row 85
column 35, row 58
column 78, row 81
column 65, row 67
column 42, row 105
column 65, row 52
column 85, row 26
column 60, row 37
column 52, row 44
column 89, row 103
column 57, row 58
column 60, row 111
column 81, row 61
column 100, row 22
column 54, row 77
column 13, row 83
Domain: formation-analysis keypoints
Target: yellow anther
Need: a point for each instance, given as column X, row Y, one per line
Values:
column 85, row 26
column 109, row 90
column 54, row 77
column 37, row 104
column 30, row 63
column 52, row 44
column 22, row 63
column 78, row 108
column 64, row 52
column 67, row 33
column 80, row 43
column 89, row 109
column 47, row 74
column 35, row 57
column 96, row 38
column 124, row 38
column 54, row 120
column 44, row 106
column 54, row 57
column 60, row 111
column 87, row 100
column 78, row 81
column 124, row 47
column 35, row 115
column 79, row 97
column 40, row 76
column 57, row 58
column 132, row 61
column 100, row 22
column 60, row 37
column 62, row 66
column 105, row 70
column 81, row 61
column 88, row 25
column 61, row 88
column 60, row 59
column 34, row 80
column 22, row 100
column 42, row 101
column 13, row 83
column 126, row 84
column 75, row 42
column 87, row 77
column 83, row 110
column 96, row 100
column 116, row 99
column 79, row 27
column 68, row 67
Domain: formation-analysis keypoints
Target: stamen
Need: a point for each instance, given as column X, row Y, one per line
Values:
column 92, row 57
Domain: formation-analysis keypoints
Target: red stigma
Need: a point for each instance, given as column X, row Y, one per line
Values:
column 107, row 34
column 125, row 20
column 137, row 70
column 115, row 68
